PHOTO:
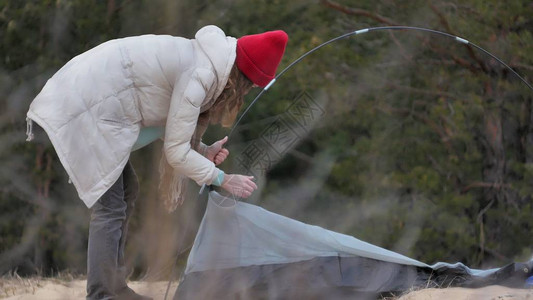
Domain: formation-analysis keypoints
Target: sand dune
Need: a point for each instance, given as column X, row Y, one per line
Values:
column 486, row 293
column 43, row 289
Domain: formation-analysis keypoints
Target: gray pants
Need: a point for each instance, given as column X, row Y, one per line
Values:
column 106, row 270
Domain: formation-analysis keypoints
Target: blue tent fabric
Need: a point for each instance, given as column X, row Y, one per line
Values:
column 242, row 251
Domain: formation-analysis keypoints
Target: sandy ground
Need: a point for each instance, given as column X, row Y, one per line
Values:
column 486, row 293
column 43, row 289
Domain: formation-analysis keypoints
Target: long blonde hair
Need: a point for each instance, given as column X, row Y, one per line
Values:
column 224, row 110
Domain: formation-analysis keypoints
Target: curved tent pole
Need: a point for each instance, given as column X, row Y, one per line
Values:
column 361, row 31
column 357, row 32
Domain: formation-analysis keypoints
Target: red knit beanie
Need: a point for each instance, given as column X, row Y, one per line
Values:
column 258, row 55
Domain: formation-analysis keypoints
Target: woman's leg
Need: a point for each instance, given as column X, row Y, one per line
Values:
column 105, row 233
column 131, row 192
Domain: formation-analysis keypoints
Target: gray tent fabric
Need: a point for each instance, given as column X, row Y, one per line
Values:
column 244, row 251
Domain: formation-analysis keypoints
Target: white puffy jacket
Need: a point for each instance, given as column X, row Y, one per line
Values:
column 94, row 107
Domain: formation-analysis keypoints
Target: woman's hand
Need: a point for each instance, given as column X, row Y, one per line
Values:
column 216, row 153
column 239, row 185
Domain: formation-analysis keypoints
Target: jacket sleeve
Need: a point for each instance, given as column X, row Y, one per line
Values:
column 187, row 98
column 202, row 149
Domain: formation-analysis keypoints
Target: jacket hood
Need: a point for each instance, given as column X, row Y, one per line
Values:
column 220, row 50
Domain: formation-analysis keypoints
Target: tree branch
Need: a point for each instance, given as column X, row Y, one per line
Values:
column 368, row 14
column 425, row 119
column 459, row 61
column 480, row 184
column 496, row 254
column 111, row 7
column 402, row 48
column 522, row 66
column 479, row 220
column 422, row 91
column 448, row 28
column 357, row 12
